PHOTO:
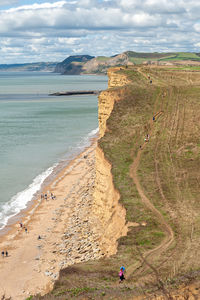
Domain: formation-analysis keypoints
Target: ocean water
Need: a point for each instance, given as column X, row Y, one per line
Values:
column 37, row 131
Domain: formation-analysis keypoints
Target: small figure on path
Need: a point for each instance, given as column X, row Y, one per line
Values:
column 26, row 230
column 140, row 147
column 45, row 196
column 6, row 253
column 121, row 274
column 21, row 225
column 154, row 118
column 2, row 253
column 39, row 237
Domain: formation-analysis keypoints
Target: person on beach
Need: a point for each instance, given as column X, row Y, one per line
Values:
column 52, row 196
column 2, row 253
column 6, row 253
column 45, row 196
column 21, row 225
column 26, row 230
column 39, row 237
column 42, row 196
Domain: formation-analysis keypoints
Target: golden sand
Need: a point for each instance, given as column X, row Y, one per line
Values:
column 66, row 236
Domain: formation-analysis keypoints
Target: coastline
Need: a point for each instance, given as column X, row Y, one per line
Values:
column 64, row 225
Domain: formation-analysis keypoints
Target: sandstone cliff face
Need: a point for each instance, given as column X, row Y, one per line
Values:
column 110, row 213
column 109, row 97
column 115, row 79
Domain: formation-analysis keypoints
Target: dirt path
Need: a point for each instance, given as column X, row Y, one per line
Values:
column 169, row 235
column 151, row 78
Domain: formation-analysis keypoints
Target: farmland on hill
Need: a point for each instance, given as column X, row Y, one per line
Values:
column 158, row 181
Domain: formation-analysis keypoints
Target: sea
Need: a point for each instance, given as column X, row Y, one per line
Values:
column 38, row 132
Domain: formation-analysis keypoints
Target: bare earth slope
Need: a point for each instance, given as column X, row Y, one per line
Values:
column 158, row 181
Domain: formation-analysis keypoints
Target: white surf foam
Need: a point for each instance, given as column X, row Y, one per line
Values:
column 21, row 199
column 87, row 139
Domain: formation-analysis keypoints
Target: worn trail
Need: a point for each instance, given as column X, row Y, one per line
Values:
column 169, row 235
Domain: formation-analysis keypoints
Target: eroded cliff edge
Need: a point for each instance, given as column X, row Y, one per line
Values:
column 110, row 213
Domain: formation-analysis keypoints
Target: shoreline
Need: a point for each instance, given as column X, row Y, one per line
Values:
column 57, row 168
column 64, row 225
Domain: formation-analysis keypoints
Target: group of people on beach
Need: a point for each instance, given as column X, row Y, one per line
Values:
column 22, row 226
column 4, row 253
column 45, row 196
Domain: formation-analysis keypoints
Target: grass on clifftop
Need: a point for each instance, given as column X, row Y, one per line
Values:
column 169, row 176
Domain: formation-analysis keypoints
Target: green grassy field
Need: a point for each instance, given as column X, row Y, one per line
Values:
column 139, row 58
column 102, row 58
column 168, row 173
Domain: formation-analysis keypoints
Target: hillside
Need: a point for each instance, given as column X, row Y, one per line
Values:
column 40, row 66
column 85, row 64
column 72, row 65
column 157, row 183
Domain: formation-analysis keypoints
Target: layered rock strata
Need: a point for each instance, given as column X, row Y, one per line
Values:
column 106, row 207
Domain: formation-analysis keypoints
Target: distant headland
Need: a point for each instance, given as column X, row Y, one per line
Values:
column 87, row 64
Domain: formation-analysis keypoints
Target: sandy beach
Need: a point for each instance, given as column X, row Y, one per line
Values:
column 65, row 226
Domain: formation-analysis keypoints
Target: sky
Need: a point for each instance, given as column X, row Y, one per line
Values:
column 36, row 30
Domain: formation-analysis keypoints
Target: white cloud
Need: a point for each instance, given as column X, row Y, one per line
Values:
column 59, row 28
column 8, row 2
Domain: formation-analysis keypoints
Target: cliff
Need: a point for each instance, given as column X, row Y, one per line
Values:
column 146, row 204
column 111, row 214
column 109, row 97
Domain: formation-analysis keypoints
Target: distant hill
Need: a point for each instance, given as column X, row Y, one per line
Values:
column 40, row 66
column 86, row 64
column 73, row 64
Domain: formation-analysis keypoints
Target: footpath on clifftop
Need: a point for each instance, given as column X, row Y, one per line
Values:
column 148, row 214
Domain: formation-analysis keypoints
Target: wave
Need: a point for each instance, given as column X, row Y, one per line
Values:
column 21, row 199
